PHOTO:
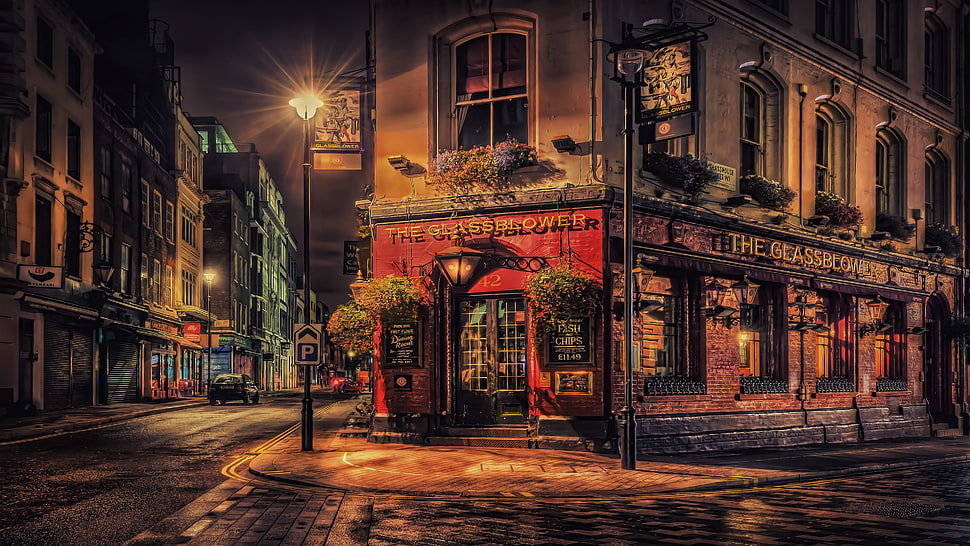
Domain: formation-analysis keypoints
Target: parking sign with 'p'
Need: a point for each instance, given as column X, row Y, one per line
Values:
column 307, row 344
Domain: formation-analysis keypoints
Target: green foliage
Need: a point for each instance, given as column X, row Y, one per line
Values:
column 692, row 175
column 840, row 213
column 946, row 237
column 351, row 328
column 959, row 328
column 559, row 293
column 391, row 298
column 769, row 193
column 480, row 169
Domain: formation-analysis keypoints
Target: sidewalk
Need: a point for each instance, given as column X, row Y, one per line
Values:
column 352, row 464
column 344, row 462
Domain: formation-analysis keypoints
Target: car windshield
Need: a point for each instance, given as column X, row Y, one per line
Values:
column 228, row 379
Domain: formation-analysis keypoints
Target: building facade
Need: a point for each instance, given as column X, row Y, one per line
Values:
column 796, row 210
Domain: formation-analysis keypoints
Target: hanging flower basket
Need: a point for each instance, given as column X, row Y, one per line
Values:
column 351, row 328
column 392, row 298
column 945, row 237
column 840, row 213
column 692, row 175
column 481, row 169
column 560, row 293
column 768, row 193
column 896, row 226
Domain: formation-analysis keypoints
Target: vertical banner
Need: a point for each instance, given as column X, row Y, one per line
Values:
column 337, row 131
column 350, row 258
column 668, row 81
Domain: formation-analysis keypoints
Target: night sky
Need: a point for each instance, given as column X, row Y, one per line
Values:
column 242, row 61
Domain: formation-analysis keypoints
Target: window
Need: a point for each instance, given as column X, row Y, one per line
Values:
column 760, row 349
column 189, row 224
column 144, row 286
column 168, row 291
column 781, row 6
column 890, row 36
column 105, row 154
column 504, row 337
column 125, row 277
column 42, row 129
column 42, row 243
column 155, row 290
column 169, row 221
column 760, row 122
column 189, row 281
column 146, row 218
column 491, row 99
column 73, row 150
column 834, row 354
column 662, row 339
column 890, row 190
column 126, row 180
column 45, row 42
column 831, row 141
column 937, row 184
column 72, row 245
column 937, row 60
column 889, row 362
column 834, row 21
column 74, row 70
column 157, row 212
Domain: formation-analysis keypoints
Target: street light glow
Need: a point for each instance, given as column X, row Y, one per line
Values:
column 306, row 106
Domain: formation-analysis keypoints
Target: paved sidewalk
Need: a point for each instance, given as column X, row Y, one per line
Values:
column 352, row 464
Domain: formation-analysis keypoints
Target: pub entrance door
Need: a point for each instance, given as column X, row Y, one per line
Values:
column 490, row 382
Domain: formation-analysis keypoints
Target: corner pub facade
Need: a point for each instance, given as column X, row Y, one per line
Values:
column 759, row 326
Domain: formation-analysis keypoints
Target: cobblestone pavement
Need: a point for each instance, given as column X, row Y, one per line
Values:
column 916, row 506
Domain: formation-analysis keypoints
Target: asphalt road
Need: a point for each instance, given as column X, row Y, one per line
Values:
column 106, row 485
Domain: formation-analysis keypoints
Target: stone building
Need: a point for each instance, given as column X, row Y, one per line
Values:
column 797, row 174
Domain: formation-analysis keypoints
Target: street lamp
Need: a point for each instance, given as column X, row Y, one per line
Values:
column 306, row 106
column 209, row 277
column 629, row 59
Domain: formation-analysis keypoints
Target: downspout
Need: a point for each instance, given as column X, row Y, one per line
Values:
column 963, row 373
column 802, row 93
column 593, row 64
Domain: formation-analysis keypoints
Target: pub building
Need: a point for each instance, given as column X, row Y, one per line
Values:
column 754, row 322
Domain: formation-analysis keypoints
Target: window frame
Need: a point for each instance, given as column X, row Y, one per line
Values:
column 890, row 183
column 74, row 64
column 936, row 184
column 834, row 21
column 43, row 128
column 73, row 150
column 831, row 152
column 936, row 60
column 890, row 37
column 44, row 43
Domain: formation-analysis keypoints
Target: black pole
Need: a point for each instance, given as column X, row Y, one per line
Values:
column 208, row 335
column 307, row 411
column 628, row 425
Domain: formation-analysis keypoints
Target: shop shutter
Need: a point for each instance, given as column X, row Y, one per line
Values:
column 68, row 365
column 122, row 371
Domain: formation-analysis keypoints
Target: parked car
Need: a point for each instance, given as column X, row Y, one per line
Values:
column 233, row 386
column 345, row 384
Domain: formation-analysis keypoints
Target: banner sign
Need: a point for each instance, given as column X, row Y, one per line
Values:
column 350, row 258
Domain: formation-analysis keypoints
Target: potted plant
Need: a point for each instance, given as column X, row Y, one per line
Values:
column 840, row 213
column 768, row 193
column 959, row 328
column 896, row 226
column 351, row 328
column 946, row 237
column 391, row 298
column 479, row 169
column 690, row 174
column 559, row 293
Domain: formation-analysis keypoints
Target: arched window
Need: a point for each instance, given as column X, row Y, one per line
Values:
column 831, row 143
column 760, row 137
column 937, row 188
column 890, row 184
column 484, row 81
column 936, row 59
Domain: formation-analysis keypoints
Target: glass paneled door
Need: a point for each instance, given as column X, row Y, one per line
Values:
column 491, row 362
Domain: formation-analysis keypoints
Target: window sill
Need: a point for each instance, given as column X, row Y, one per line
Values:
column 852, row 394
column 646, row 398
column 900, row 79
column 835, row 45
column 766, row 396
column 891, row 393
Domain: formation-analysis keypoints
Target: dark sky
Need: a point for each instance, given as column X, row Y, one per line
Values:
column 242, row 61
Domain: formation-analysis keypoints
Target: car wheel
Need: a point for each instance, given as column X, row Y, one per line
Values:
column 222, row 402
column 246, row 398
column 212, row 402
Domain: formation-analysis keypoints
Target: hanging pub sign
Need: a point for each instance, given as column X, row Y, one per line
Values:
column 401, row 348
column 569, row 342
column 668, row 82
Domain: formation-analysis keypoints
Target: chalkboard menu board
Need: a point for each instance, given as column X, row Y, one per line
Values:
column 569, row 342
column 401, row 345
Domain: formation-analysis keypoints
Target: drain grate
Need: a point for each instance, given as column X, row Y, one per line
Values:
column 891, row 509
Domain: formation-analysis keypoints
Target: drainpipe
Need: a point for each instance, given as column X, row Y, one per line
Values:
column 802, row 93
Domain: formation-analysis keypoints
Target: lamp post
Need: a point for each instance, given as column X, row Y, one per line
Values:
column 306, row 106
column 209, row 277
column 629, row 59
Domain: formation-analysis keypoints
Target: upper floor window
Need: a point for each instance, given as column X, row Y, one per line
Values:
column 834, row 22
column 125, row 276
column 491, row 94
column 760, row 122
column 891, row 36
column 72, row 246
column 937, row 185
column 157, row 212
column 73, row 150
column 126, row 181
column 43, row 125
column 831, row 157
column 105, row 156
column 781, row 6
column 169, row 226
column 45, row 42
column 890, row 186
column 146, row 209
column 74, row 70
column 937, row 60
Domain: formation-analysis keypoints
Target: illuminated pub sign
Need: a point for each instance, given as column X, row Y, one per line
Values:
column 338, row 128
column 800, row 255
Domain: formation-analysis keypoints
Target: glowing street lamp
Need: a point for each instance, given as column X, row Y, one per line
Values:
column 306, row 106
